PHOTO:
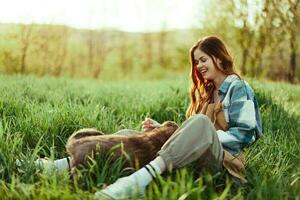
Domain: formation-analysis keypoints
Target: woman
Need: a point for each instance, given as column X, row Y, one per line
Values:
column 214, row 82
column 214, row 138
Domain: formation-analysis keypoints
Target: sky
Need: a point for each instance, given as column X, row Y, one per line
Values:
column 126, row 15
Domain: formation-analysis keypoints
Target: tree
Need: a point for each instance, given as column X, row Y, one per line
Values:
column 162, row 41
column 124, row 49
column 289, row 13
column 25, row 40
column 50, row 49
column 61, row 39
column 98, row 50
column 244, row 32
column 147, row 50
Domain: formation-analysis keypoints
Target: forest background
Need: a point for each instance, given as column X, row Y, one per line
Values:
column 262, row 35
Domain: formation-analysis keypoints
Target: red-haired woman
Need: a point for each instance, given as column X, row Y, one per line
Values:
column 222, row 119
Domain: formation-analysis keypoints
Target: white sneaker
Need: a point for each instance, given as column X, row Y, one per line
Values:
column 40, row 162
column 48, row 165
column 124, row 188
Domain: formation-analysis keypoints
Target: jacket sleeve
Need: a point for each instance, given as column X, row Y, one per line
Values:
column 242, row 122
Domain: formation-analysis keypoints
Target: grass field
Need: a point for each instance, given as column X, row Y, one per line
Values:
column 39, row 114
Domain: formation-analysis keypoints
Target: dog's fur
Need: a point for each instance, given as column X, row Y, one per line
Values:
column 141, row 148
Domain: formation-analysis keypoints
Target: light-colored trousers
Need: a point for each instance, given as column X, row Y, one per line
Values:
column 195, row 140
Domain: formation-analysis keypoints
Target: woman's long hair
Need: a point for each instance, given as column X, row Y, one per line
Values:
column 201, row 90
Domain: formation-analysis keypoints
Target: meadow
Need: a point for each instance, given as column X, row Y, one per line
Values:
column 37, row 115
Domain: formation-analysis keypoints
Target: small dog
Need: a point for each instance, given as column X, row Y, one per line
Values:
column 141, row 148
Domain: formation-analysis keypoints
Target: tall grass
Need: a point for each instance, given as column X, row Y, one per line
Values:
column 37, row 115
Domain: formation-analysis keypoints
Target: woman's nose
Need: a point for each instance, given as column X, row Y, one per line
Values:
column 199, row 66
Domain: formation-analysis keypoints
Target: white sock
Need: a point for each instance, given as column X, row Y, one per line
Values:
column 146, row 174
column 62, row 164
column 59, row 164
column 161, row 163
column 136, row 182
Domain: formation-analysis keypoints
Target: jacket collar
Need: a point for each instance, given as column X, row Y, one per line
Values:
column 227, row 82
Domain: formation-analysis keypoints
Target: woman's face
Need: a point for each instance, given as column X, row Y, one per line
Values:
column 205, row 65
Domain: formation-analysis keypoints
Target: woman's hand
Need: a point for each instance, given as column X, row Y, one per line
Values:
column 149, row 124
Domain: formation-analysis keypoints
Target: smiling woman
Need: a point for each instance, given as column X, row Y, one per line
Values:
column 207, row 65
column 129, row 15
column 222, row 120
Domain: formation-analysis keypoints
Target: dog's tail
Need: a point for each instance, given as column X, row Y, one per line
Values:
column 85, row 133
column 82, row 133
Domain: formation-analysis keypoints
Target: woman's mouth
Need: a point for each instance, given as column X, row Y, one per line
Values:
column 203, row 70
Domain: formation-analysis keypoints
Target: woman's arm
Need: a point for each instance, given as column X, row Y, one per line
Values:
column 149, row 124
column 244, row 117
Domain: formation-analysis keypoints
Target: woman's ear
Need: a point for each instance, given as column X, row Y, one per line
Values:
column 219, row 62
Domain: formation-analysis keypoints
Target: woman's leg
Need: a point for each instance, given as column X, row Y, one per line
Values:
column 196, row 138
column 192, row 141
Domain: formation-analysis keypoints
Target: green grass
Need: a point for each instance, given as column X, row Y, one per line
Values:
column 39, row 114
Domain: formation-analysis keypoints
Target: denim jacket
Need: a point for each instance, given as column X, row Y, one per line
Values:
column 242, row 113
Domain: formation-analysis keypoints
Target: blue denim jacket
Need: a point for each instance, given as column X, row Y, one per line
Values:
column 242, row 113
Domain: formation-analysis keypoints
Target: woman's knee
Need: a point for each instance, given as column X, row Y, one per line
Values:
column 203, row 123
column 201, row 118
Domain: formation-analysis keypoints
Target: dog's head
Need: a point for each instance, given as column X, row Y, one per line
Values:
column 169, row 125
column 164, row 131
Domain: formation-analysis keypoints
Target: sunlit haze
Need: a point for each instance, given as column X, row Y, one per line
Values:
column 127, row 15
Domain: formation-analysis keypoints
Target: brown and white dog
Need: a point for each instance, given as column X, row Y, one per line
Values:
column 141, row 148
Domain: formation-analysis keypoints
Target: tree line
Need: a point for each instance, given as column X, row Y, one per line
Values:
column 263, row 36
